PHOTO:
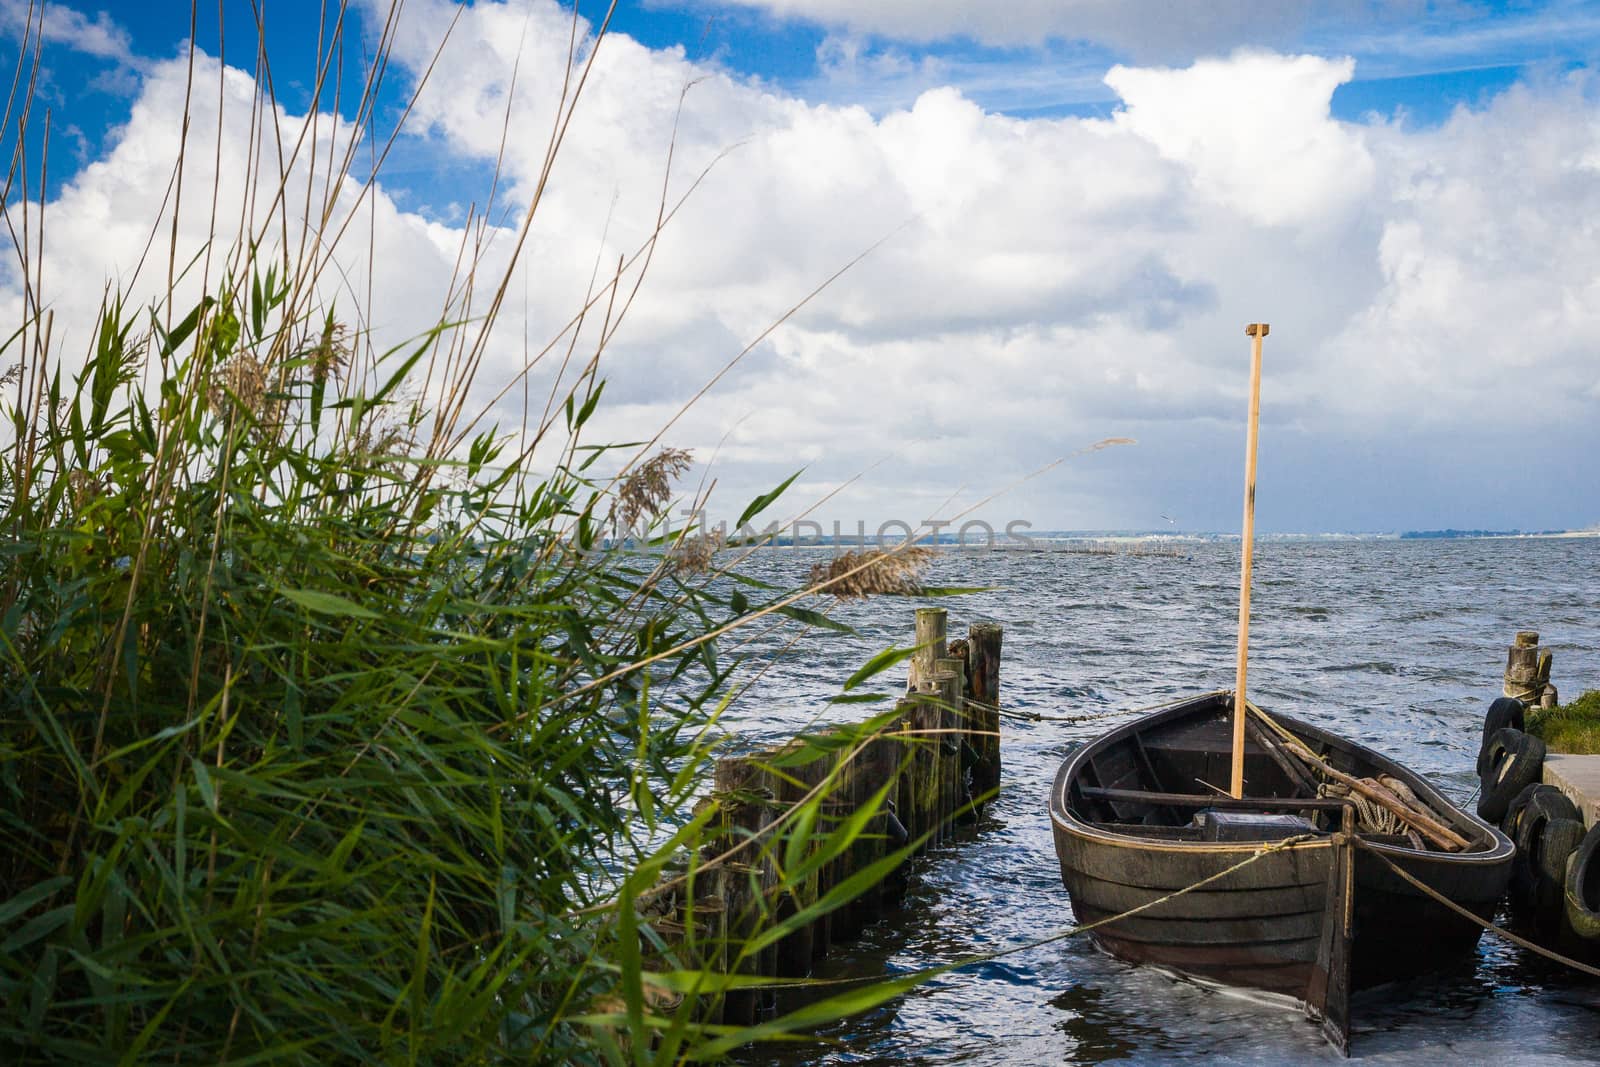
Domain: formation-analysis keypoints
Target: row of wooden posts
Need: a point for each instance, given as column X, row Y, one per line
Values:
column 939, row 756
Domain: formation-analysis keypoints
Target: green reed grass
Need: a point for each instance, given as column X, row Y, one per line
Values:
column 331, row 730
column 1573, row 727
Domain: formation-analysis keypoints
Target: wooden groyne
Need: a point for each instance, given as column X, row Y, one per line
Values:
column 805, row 833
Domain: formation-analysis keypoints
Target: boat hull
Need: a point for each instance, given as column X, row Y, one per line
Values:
column 1257, row 914
column 1257, row 927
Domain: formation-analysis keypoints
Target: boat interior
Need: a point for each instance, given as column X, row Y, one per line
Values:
column 1170, row 780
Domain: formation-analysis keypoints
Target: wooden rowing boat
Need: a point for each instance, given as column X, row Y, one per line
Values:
column 1254, row 851
column 1143, row 812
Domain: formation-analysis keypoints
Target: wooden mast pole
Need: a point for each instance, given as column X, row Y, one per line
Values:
column 1256, row 331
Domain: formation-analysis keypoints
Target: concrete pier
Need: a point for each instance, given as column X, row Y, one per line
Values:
column 1579, row 778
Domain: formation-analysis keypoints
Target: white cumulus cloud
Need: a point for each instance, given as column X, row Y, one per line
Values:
column 96, row 35
column 1254, row 132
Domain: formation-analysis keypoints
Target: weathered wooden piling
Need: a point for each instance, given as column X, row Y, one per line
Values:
column 952, row 729
column 930, row 645
column 795, row 952
column 967, row 738
column 907, row 777
column 1527, row 675
column 691, row 919
column 743, row 787
column 874, row 768
column 917, row 774
column 838, row 803
column 894, row 758
column 983, row 702
column 924, row 764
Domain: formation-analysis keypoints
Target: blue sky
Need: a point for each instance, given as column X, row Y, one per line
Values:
column 1417, row 66
column 1085, row 198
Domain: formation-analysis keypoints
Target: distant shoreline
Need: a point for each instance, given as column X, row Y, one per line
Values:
column 1086, row 542
column 1476, row 535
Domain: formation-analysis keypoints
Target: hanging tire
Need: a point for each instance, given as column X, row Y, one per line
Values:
column 1530, row 815
column 1504, row 712
column 1558, row 841
column 1514, row 762
column 1582, row 891
column 1508, row 825
column 1540, row 804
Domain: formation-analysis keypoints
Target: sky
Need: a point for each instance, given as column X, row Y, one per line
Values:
column 1058, row 217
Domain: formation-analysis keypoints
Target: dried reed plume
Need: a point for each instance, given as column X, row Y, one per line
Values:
column 245, row 378
column 881, row 573
column 330, row 354
column 646, row 491
column 1103, row 443
column 693, row 555
column 383, row 443
column 245, row 387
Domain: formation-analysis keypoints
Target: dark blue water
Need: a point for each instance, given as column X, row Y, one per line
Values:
column 1397, row 644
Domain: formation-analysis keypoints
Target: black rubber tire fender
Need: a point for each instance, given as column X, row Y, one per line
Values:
column 1540, row 804
column 1515, row 761
column 1582, row 888
column 1559, row 839
column 1520, row 889
column 1504, row 712
column 1551, row 803
column 1531, row 812
column 1508, row 825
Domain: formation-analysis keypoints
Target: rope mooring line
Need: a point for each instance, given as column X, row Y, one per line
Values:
column 1093, row 716
column 1466, row 913
column 1039, row 716
column 1073, row 931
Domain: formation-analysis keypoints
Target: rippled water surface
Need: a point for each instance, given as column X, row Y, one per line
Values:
column 1396, row 644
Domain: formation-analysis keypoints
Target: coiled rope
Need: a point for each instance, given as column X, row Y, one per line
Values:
column 1372, row 817
column 1416, row 815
